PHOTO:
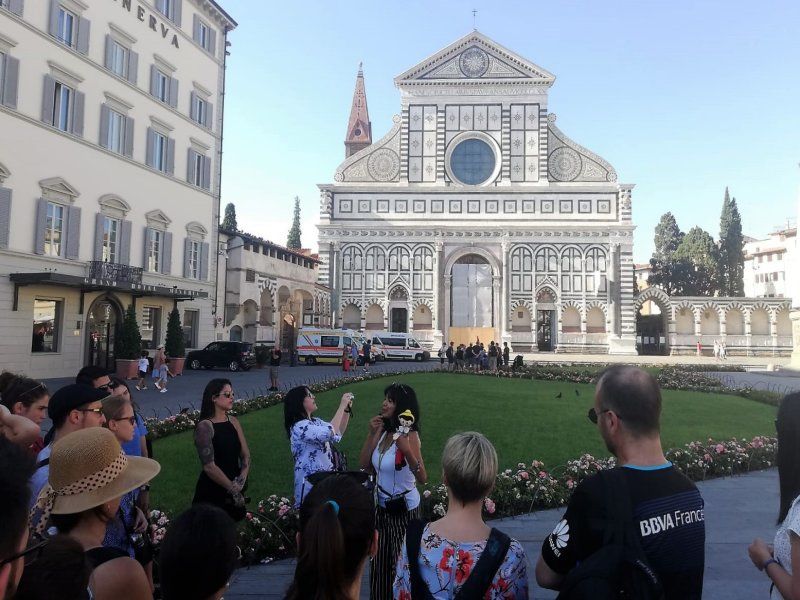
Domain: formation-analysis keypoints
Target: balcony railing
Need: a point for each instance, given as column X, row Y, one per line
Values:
column 114, row 272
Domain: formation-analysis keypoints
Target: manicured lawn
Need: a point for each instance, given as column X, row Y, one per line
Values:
column 523, row 418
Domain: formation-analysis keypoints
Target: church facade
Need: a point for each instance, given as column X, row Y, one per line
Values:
column 476, row 217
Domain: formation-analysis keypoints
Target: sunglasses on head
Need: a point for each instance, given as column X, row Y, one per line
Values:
column 40, row 386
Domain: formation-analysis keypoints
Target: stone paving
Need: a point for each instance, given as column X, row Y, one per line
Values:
column 737, row 510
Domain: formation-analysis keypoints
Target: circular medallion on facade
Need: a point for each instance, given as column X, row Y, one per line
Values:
column 384, row 164
column 564, row 164
column 473, row 62
column 472, row 162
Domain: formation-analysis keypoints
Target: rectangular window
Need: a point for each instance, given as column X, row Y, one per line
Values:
column 116, row 132
column 162, row 86
column 329, row 341
column 191, row 321
column 46, row 325
column 200, row 109
column 202, row 34
column 62, row 107
column 166, row 8
column 197, row 173
column 66, row 26
column 120, row 57
column 2, row 67
column 194, row 260
column 155, row 242
column 54, row 230
column 151, row 327
column 160, row 152
column 110, row 240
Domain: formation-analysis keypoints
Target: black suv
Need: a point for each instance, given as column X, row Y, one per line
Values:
column 230, row 355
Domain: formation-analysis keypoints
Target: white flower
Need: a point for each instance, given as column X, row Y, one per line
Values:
column 561, row 534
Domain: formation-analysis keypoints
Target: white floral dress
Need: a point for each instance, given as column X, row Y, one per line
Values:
column 310, row 441
column 782, row 547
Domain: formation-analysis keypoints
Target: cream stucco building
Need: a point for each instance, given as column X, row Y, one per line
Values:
column 111, row 120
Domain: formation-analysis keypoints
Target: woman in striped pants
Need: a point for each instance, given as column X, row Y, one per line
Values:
column 392, row 452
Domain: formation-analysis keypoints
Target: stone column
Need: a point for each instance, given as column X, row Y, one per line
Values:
column 334, row 275
column 498, row 296
column 773, row 331
column 504, row 332
column 438, row 301
column 446, row 323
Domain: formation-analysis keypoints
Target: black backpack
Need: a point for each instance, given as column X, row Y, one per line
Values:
column 479, row 579
column 619, row 569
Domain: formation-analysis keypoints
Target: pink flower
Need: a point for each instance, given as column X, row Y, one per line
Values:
column 489, row 505
column 542, row 474
column 283, row 510
column 570, row 483
column 426, row 494
column 719, row 449
column 524, row 474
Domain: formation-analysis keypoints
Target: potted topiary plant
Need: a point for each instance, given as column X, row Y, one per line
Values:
column 174, row 345
column 128, row 347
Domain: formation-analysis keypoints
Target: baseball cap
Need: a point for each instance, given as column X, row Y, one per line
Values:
column 71, row 397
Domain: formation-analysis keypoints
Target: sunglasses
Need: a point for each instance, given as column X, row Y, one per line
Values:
column 131, row 420
column 593, row 414
column 35, row 388
column 227, row 395
column 96, row 411
column 31, row 554
column 111, row 385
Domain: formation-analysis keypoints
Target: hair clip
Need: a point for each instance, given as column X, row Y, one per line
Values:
column 335, row 506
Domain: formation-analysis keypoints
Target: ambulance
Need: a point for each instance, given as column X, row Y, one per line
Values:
column 315, row 345
column 388, row 345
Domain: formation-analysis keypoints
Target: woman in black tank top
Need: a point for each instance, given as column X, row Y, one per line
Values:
column 223, row 452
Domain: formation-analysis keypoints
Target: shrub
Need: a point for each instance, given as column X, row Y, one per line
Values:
column 174, row 345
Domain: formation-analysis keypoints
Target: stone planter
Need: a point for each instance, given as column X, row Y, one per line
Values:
column 127, row 368
column 176, row 365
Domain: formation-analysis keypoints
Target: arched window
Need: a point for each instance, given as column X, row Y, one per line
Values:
column 352, row 278
column 595, row 269
column 399, row 259
column 374, row 268
column 571, row 260
column 546, row 261
column 423, row 268
column 521, row 269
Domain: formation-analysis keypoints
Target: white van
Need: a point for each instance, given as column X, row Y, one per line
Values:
column 387, row 345
column 316, row 345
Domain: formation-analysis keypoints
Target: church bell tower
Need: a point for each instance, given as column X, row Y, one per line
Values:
column 359, row 128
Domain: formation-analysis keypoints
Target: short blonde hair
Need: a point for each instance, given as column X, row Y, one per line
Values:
column 469, row 462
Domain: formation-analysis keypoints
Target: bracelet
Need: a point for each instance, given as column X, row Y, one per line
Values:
column 417, row 469
column 767, row 563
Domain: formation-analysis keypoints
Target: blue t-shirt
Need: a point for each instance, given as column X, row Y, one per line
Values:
column 134, row 448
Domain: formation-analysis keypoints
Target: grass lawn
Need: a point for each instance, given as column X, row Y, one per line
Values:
column 523, row 418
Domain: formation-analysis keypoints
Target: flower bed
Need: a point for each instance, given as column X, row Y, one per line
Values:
column 268, row 533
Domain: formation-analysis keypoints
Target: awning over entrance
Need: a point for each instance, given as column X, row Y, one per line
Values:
column 129, row 285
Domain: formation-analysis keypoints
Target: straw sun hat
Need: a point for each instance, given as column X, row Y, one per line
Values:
column 87, row 469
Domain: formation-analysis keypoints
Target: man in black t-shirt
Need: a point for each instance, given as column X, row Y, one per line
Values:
column 667, row 507
column 274, row 363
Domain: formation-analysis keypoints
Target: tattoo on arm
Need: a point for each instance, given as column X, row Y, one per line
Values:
column 203, row 441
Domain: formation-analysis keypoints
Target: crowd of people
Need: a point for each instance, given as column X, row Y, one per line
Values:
column 74, row 503
column 473, row 357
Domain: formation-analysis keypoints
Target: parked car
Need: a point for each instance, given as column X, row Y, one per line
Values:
column 388, row 345
column 229, row 355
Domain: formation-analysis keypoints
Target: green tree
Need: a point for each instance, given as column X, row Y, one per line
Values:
column 174, row 345
column 293, row 241
column 229, row 222
column 696, row 264
column 731, row 249
column 668, row 237
column 129, row 344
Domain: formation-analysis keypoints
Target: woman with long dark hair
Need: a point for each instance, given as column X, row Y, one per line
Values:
column 310, row 438
column 392, row 451
column 781, row 563
column 27, row 398
column 223, row 452
column 337, row 533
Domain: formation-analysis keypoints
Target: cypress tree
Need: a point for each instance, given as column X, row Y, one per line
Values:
column 293, row 241
column 129, row 345
column 668, row 237
column 174, row 345
column 229, row 222
column 731, row 249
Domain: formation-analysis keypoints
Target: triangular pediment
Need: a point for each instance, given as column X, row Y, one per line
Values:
column 59, row 186
column 477, row 59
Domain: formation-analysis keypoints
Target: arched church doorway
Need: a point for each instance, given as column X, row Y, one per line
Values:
column 546, row 321
column 471, row 300
column 398, row 309
column 103, row 322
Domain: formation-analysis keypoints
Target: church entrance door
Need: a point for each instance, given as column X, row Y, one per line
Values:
column 545, row 322
column 400, row 320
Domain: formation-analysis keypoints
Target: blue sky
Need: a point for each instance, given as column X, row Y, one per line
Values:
column 681, row 97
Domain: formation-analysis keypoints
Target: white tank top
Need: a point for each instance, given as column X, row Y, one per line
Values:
column 392, row 481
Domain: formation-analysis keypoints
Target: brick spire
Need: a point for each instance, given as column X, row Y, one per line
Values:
column 359, row 128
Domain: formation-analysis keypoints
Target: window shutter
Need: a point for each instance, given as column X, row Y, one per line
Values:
column 172, row 100
column 133, row 67
column 177, row 11
column 84, row 25
column 207, row 172
column 10, row 81
column 99, row 222
column 196, row 28
column 146, row 247
column 48, row 100
column 73, row 232
column 170, row 156
column 166, row 254
column 5, row 216
column 125, row 243
column 16, row 6
column 212, row 41
column 41, row 224
column 187, row 248
column 77, row 113
column 54, row 6
column 204, row 261
column 209, row 115
column 149, row 150
column 190, row 166
column 128, row 146
column 193, row 106
column 153, row 74
column 109, row 47
column 104, row 114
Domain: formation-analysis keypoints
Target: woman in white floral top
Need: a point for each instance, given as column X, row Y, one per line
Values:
column 310, row 438
column 451, row 547
column 781, row 563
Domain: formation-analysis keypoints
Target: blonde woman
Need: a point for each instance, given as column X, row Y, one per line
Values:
column 440, row 556
column 89, row 474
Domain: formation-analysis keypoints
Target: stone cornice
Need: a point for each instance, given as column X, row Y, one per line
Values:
column 510, row 235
